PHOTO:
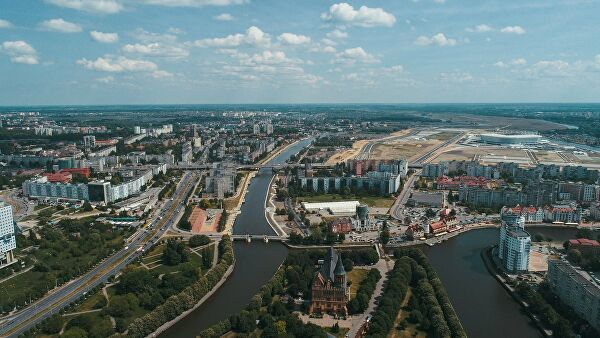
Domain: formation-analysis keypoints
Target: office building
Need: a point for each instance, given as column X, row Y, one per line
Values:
column 8, row 241
column 576, row 288
column 514, row 245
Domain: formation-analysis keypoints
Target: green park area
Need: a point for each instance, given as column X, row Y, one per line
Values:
column 55, row 255
column 162, row 273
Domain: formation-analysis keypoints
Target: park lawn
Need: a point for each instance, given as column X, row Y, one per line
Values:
column 166, row 269
column 22, row 285
column 410, row 330
column 356, row 276
column 371, row 201
column 90, row 302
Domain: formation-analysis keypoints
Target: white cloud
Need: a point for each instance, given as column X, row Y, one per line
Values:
column 353, row 55
column 156, row 49
column 337, row 34
column 519, row 62
column 253, row 36
column 91, row 6
column 550, row 68
column 513, row 30
column 104, row 37
column 118, row 65
column 294, row 39
column 147, row 37
column 394, row 69
column 456, row 77
column 344, row 13
column 5, row 24
column 439, row 39
column 106, row 79
column 60, row 25
column 329, row 49
column 224, row 17
column 193, row 3
column 483, row 28
column 20, row 52
column 500, row 64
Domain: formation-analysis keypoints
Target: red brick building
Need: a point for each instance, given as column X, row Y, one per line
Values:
column 329, row 291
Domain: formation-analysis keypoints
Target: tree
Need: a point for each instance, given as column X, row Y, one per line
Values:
column 87, row 206
column 198, row 240
column 53, row 324
column 574, row 256
column 384, row 236
column 174, row 252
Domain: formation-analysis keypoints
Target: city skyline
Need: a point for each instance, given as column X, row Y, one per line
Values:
column 238, row 51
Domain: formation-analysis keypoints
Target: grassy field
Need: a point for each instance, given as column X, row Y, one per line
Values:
column 372, row 201
column 356, row 276
column 154, row 261
column 395, row 150
column 443, row 136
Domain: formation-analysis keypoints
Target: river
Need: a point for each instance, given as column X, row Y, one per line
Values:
column 483, row 306
column 255, row 262
column 485, row 309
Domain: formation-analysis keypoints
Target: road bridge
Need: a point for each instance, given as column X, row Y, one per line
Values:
column 265, row 238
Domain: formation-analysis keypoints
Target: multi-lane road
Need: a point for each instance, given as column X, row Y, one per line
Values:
column 161, row 221
column 396, row 209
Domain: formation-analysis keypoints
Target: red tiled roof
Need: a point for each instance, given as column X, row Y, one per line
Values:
column 584, row 241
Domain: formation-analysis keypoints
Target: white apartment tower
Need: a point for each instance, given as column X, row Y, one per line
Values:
column 8, row 241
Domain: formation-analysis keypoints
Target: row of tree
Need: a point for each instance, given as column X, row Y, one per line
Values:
column 187, row 298
column 360, row 302
column 437, row 316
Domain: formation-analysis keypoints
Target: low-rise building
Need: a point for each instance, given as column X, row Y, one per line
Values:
column 585, row 246
column 530, row 214
column 567, row 213
column 342, row 225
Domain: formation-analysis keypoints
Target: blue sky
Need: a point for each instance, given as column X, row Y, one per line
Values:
column 262, row 51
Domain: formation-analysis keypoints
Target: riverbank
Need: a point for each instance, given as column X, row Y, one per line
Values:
column 172, row 322
column 269, row 211
column 486, row 256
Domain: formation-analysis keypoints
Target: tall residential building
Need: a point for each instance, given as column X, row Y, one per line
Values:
column 514, row 244
column 89, row 141
column 187, row 153
column 8, row 241
column 576, row 288
column 269, row 128
column 137, row 130
column 256, row 129
column 221, row 179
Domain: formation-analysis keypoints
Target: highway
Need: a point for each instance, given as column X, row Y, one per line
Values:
column 430, row 154
column 365, row 152
column 17, row 323
column 396, row 209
